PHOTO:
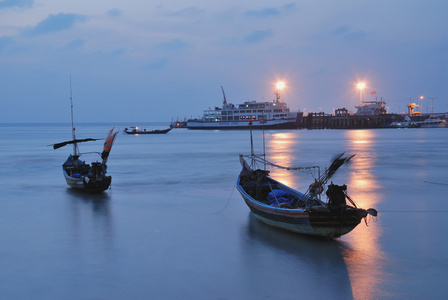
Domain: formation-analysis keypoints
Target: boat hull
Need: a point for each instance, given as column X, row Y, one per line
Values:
column 88, row 184
column 307, row 228
column 163, row 131
column 244, row 124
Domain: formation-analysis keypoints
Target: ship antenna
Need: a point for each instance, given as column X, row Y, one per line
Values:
column 225, row 100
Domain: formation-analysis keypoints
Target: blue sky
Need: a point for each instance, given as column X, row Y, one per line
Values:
column 140, row 61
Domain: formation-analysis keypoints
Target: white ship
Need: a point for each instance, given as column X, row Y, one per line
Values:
column 432, row 122
column 264, row 115
column 371, row 108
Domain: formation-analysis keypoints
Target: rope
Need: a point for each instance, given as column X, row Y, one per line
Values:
column 264, row 161
column 227, row 203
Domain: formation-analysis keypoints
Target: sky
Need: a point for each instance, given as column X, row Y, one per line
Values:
column 153, row 61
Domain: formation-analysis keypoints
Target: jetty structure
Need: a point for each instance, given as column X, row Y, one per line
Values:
column 369, row 114
column 277, row 115
column 374, row 114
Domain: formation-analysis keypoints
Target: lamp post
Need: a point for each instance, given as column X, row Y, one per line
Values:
column 432, row 103
column 279, row 87
column 421, row 106
column 361, row 86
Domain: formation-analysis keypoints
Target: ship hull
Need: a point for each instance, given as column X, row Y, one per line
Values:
column 244, row 124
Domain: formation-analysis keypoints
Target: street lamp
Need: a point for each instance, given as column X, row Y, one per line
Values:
column 421, row 101
column 280, row 86
column 361, row 86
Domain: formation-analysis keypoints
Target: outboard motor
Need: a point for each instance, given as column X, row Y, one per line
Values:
column 97, row 170
column 336, row 196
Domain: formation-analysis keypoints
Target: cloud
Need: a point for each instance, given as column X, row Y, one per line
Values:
column 174, row 44
column 258, row 36
column 266, row 12
column 54, row 23
column 269, row 11
column 115, row 12
column 75, row 44
column 5, row 41
column 15, row 3
column 119, row 52
column 346, row 33
column 341, row 30
column 158, row 64
column 186, row 12
column 356, row 36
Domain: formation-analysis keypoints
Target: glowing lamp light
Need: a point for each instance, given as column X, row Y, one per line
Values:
column 280, row 85
column 361, row 85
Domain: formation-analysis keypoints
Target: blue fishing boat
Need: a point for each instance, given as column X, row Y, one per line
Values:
column 281, row 206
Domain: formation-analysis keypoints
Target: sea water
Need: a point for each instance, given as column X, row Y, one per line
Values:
column 173, row 226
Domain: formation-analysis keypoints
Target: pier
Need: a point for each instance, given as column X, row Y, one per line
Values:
column 343, row 120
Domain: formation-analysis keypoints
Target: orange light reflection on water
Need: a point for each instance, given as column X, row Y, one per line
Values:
column 362, row 255
column 365, row 260
column 279, row 147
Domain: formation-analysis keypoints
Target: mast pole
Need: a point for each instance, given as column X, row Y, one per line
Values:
column 264, row 149
column 251, row 145
column 75, row 147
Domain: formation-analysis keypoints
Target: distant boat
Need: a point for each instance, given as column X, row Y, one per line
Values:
column 432, row 122
column 178, row 124
column 407, row 123
column 80, row 175
column 136, row 130
column 281, row 206
column 265, row 115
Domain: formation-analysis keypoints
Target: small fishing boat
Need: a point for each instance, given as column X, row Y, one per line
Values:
column 81, row 175
column 281, row 206
column 136, row 130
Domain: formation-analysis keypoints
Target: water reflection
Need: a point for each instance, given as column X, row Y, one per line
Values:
column 310, row 261
column 366, row 265
column 90, row 216
column 279, row 148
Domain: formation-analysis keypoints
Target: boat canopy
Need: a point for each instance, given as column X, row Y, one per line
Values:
column 62, row 144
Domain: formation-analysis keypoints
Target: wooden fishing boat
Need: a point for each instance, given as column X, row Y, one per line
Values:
column 281, row 206
column 136, row 130
column 81, row 175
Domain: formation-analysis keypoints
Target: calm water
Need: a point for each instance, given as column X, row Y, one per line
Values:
column 173, row 226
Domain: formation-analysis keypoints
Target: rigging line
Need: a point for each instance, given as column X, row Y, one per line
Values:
column 439, row 183
column 261, row 160
column 228, row 201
